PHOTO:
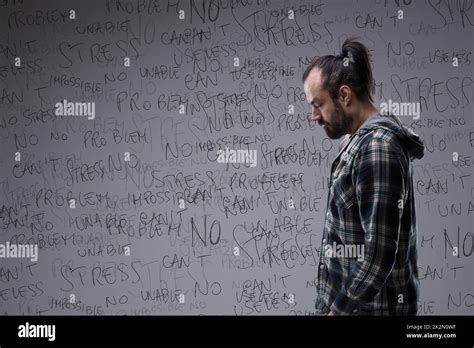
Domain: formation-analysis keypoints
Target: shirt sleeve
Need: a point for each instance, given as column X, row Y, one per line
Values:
column 380, row 191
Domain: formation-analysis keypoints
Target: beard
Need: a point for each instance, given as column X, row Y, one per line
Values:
column 341, row 123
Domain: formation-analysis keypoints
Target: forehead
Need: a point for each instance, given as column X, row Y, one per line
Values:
column 313, row 86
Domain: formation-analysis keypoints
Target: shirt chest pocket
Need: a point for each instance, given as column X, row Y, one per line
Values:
column 343, row 191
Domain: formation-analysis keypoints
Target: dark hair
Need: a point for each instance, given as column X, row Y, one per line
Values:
column 357, row 74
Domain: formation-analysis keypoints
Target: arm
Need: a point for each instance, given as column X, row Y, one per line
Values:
column 379, row 178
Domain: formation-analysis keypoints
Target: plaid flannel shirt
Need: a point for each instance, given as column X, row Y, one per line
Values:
column 371, row 203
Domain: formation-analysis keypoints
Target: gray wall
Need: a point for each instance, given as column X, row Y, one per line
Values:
column 134, row 204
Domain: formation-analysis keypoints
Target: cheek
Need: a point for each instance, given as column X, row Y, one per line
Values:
column 328, row 113
column 333, row 112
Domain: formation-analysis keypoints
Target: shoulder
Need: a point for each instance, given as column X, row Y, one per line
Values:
column 382, row 145
column 381, row 139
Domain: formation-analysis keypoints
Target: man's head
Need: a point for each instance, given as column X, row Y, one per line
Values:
column 339, row 89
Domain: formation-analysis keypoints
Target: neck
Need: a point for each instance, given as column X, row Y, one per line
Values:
column 363, row 115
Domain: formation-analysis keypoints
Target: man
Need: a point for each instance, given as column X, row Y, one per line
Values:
column 371, row 203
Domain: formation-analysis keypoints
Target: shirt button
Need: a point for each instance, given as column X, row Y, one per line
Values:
column 355, row 310
column 324, row 240
column 328, row 214
column 321, row 266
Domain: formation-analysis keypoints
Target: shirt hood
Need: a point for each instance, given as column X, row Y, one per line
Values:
column 408, row 139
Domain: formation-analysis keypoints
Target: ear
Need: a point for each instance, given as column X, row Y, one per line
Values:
column 345, row 95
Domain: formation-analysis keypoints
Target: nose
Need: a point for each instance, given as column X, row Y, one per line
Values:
column 316, row 115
